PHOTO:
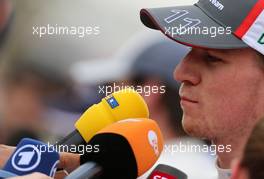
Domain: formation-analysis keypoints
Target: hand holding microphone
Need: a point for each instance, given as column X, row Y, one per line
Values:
column 5, row 153
column 68, row 161
column 31, row 156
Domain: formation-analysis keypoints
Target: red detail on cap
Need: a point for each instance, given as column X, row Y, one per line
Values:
column 250, row 19
column 161, row 175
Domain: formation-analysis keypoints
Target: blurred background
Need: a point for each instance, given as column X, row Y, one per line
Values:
column 48, row 81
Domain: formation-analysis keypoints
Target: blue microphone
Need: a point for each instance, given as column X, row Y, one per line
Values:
column 31, row 156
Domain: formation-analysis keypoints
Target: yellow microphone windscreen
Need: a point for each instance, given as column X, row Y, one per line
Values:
column 126, row 103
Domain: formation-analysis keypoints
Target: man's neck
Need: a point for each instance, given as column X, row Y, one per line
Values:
column 236, row 144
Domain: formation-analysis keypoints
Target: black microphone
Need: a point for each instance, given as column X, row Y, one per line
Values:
column 167, row 172
column 89, row 170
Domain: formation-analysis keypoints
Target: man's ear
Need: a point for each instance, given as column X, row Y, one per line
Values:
column 237, row 171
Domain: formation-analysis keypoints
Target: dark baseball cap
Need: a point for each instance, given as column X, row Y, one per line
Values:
column 211, row 24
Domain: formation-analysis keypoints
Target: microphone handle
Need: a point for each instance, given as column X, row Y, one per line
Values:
column 89, row 170
column 73, row 138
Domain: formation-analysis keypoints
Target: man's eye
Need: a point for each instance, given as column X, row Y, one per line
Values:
column 213, row 59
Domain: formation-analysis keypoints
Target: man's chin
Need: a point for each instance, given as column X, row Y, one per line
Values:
column 193, row 129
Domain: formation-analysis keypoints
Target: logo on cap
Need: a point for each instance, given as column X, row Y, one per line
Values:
column 26, row 158
column 261, row 39
column 217, row 4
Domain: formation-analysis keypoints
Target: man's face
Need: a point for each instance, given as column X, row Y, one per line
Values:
column 221, row 93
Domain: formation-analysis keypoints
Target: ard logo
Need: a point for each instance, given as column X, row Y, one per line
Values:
column 261, row 39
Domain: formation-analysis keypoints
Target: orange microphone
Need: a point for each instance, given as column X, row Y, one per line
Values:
column 127, row 149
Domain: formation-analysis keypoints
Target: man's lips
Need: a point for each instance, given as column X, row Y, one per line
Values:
column 183, row 98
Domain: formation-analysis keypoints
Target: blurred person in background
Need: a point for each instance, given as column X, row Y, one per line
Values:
column 250, row 166
column 139, row 64
column 32, row 92
column 6, row 16
column 5, row 19
column 35, row 84
column 160, row 91
column 5, row 22
column 28, row 86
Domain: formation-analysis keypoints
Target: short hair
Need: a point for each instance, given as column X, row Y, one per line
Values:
column 262, row 56
column 260, row 59
column 253, row 158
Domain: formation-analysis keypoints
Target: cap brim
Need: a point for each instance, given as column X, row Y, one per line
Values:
column 167, row 20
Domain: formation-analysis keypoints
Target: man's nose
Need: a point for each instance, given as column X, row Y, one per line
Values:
column 187, row 70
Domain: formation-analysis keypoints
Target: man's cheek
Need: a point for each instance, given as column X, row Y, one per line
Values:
column 213, row 106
